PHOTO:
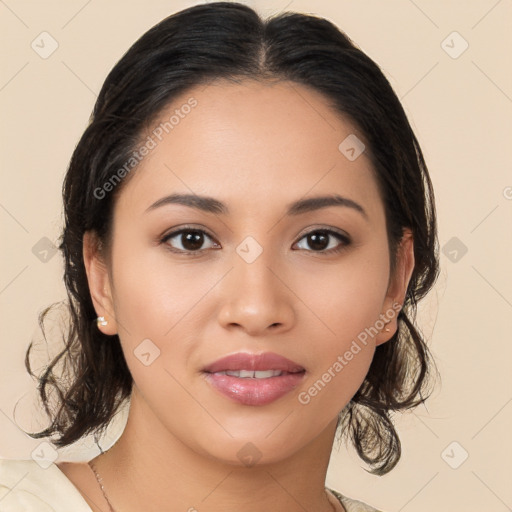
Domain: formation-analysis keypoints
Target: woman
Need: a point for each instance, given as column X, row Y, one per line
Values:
column 249, row 224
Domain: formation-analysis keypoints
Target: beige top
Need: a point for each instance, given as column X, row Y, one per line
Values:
column 25, row 486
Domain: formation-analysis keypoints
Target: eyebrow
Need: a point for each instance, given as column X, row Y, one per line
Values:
column 211, row 205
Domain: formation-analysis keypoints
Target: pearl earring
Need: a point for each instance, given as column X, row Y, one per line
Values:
column 101, row 321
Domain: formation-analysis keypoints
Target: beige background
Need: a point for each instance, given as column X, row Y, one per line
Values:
column 461, row 109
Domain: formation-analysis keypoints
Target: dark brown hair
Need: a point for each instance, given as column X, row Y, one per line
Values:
column 226, row 40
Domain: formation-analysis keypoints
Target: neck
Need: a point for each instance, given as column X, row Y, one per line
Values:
column 149, row 468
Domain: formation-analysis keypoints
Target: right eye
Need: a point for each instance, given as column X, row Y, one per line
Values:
column 188, row 240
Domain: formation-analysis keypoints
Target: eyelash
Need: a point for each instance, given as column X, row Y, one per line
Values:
column 188, row 229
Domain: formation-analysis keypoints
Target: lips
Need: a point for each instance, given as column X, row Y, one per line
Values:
column 254, row 379
column 254, row 362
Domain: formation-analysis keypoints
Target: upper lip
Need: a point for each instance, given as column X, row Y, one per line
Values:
column 255, row 362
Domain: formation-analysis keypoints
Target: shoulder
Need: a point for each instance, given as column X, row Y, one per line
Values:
column 27, row 486
column 352, row 505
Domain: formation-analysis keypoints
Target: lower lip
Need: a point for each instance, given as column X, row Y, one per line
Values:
column 248, row 391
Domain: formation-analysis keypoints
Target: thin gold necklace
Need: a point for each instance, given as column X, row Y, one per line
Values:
column 100, row 480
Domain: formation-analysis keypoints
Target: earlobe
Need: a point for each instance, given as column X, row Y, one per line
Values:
column 99, row 283
column 390, row 324
column 397, row 289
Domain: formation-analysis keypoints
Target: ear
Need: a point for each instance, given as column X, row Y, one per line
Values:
column 99, row 282
column 397, row 288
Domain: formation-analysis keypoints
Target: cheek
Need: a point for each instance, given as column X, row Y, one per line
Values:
column 346, row 298
column 153, row 295
column 158, row 308
column 155, row 306
column 346, row 304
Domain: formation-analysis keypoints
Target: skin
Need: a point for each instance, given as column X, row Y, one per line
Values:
column 256, row 147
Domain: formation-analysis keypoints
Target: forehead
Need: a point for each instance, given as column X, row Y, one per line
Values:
column 248, row 143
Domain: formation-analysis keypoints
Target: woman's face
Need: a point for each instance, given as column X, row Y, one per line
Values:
column 251, row 273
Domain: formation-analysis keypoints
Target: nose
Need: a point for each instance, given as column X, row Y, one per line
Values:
column 256, row 298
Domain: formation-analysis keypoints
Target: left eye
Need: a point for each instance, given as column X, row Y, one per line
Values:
column 319, row 240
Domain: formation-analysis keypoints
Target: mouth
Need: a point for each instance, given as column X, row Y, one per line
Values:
column 254, row 379
column 247, row 362
column 252, row 374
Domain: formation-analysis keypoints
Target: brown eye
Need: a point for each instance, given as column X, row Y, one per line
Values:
column 324, row 240
column 187, row 240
